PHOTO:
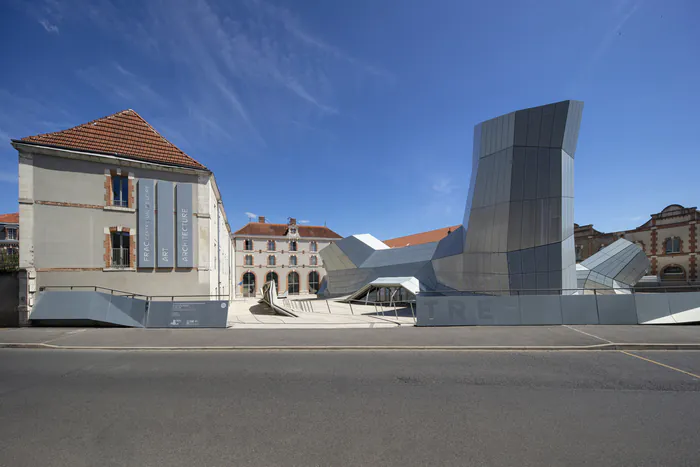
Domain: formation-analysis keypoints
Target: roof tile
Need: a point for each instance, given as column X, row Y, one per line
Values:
column 124, row 133
column 280, row 230
column 10, row 218
column 420, row 238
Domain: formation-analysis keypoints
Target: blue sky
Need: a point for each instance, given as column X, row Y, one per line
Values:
column 360, row 113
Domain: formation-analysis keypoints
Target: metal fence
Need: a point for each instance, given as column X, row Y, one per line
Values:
column 545, row 291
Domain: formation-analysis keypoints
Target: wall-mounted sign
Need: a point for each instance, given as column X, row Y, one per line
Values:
column 147, row 224
column 183, row 222
column 166, row 221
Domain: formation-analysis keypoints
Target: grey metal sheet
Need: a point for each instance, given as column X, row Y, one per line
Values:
column 200, row 314
column 165, row 225
column 617, row 309
column 147, row 223
column 540, row 310
column 653, row 308
column 185, row 226
column 579, row 309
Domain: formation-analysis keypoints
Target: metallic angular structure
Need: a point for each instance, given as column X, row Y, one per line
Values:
column 616, row 267
column 518, row 225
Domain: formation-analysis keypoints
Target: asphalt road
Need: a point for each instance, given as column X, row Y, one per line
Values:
column 125, row 408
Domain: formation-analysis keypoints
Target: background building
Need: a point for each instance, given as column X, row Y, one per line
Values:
column 112, row 203
column 285, row 253
column 669, row 239
column 9, row 233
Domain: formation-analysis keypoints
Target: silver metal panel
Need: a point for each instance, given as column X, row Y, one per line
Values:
column 561, row 110
column 530, row 282
column 500, row 226
column 520, row 134
column 530, row 180
column 527, row 260
column 355, row 249
column 527, row 239
column 185, row 227
column 540, row 310
column 166, row 223
column 684, row 306
column 509, row 130
column 452, row 244
column 555, row 281
column 147, row 223
column 515, row 225
column 517, row 181
column 555, row 174
column 534, row 119
column 543, row 173
column 396, row 256
column 542, row 221
column 546, row 127
column 541, row 258
column 579, row 309
column 555, row 221
column 616, row 309
column 573, row 124
column 553, row 256
column 652, row 307
column 515, row 262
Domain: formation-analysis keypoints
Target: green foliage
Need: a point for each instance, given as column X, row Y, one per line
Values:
column 9, row 262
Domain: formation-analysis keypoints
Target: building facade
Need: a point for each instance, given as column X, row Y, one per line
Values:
column 669, row 239
column 112, row 203
column 286, row 253
column 9, row 233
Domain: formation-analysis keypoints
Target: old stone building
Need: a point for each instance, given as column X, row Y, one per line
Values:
column 285, row 253
column 669, row 238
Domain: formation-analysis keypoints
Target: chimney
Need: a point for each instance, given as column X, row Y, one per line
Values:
column 261, row 219
column 292, row 221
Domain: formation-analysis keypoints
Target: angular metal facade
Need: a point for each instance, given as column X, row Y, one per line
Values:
column 616, row 267
column 517, row 233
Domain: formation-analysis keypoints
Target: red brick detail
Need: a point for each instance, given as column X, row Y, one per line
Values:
column 132, row 249
column 654, row 236
column 69, row 205
column 654, row 266
column 112, row 229
column 693, row 243
column 108, row 249
column 132, row 199
column 692, row 269
column 108, row 190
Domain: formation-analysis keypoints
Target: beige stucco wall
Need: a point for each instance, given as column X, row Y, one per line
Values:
column 72, row 237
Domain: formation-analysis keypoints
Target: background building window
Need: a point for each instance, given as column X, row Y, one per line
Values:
column 248, row 245
column 673, row 245
column 673, row 273
column 313, row 246
column 292, row 260
column 248, row 260
column 271, row 245
column 313, row 282
column 120, row 191
column 272, row 276
column 313, row 261
column 11, row 233
column 120, row 250
column 271, row 261
column 293, row 245
column 248, row 284
column 293, row 283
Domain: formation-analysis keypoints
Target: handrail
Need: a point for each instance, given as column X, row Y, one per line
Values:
column 632, row 290
column 130, row 294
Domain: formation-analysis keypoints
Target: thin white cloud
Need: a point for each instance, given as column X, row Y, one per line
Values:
column 121, row 86
column 50, row 28
column 303, row 221
column 444, row 186
column 251, row 215
column 8, row 177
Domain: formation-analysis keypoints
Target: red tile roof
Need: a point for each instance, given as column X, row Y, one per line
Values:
column 419, row 238
column 125, row 134
column 280, row 230
column 10, row 218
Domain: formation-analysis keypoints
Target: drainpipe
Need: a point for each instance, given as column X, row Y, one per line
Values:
column 218, row 250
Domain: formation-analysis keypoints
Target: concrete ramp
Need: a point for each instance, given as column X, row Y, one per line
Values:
column 91, row 308
column 408, row 284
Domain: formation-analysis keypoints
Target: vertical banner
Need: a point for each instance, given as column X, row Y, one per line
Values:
column 166, row 221
column 183, row 215
column 147, row 224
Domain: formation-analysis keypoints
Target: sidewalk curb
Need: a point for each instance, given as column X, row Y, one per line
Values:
column 376, row 348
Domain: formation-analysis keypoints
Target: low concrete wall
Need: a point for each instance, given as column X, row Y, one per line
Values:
column 9, row 299
column 527, row 310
